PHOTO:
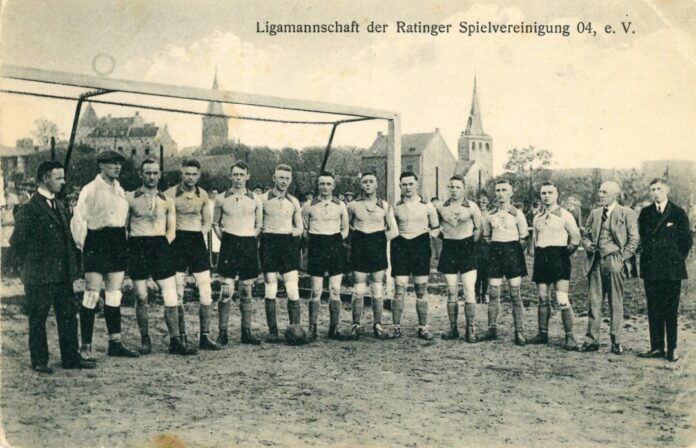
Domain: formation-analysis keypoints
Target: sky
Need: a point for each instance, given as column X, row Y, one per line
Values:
column 610, row 100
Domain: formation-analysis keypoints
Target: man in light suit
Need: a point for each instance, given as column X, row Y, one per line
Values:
column 666, row 240
column 610, row 238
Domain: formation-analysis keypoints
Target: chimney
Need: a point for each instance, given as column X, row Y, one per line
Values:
column 379, row 134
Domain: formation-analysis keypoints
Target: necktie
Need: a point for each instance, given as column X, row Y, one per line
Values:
column 605, row 214
column 659, row 209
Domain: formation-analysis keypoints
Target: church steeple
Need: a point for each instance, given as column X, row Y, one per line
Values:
column 214, row 107
column 215, row 126
column 475, row 125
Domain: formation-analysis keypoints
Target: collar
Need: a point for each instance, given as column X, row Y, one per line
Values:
column 45, row 193
column 272, row 194
column 380, row 202
column 180, row 191
column 509, row 208
column 247, row 193
column 663, row 205
column 139, row 192
column 333, row 199
column 611, row 207
column 554, row 210
column 101, row 180
column 448, row 202
column 420, row 199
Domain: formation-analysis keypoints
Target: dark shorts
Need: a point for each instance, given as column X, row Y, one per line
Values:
column 190, row 252
column 149, row 256
column 410, row 257
column 326, row 254
column 551, row 264
column 368, row 251
column 239, row 256
column 507, row 260
column 106, row 250
column 457, row 256
column 279, row 253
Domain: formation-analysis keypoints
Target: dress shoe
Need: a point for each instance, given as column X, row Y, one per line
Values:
column 80, row 364
column 589, row 347
column 116, row 348
column 42, row 369
column 617, row 349
column 86, row 352
column 654, row 353
column 205, row 343
column 145, row 345
column 539, row 338
column 672, row 356
column 452, row 334
column 249, row 338
column 177, row 347
column 519, row 338
column 425, row 334
column 223, row 338
column 489, row 335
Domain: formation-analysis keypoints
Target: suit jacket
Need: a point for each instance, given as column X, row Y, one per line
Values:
column 42, row 243
column 623, row 227
column 666, row 241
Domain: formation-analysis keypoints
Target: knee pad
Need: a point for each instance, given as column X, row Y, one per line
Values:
column 399, row 290
column 359, row 289
column 421, row 290
column 226, row 290
column 562, row 299
column 90, row 299
column 272, row 290
column 515, row 293
column 113, row 298
column 377, row 290
column 292, row 288
column 169, row 296
column 205, row 290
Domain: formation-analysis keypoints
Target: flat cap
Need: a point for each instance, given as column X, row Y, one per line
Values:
column 110, row 156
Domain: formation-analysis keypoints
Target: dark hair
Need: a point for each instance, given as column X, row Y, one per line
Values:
column 241, row 165
column 191, row 163
column 46, row 168
column 548, row 184
column 146, row 162
column 503, row 181
column 659, row 180
column 408, row 174
column 283, row 167
column 258, row 186
column 457, row 177
column 368, row 173
column 326, row 174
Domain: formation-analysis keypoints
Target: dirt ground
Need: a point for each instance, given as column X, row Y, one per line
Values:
column 403, row 392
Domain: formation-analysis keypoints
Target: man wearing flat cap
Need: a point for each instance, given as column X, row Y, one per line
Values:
column 99, row 228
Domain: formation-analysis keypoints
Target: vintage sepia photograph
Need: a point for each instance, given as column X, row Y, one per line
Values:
column 347, row 223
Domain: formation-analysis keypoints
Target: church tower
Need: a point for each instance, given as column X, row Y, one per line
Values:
column 474, row 144
column 215, row 128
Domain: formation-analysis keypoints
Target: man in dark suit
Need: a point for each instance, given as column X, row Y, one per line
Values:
column 46, row 254
column 666, row 241
column 610, row 239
